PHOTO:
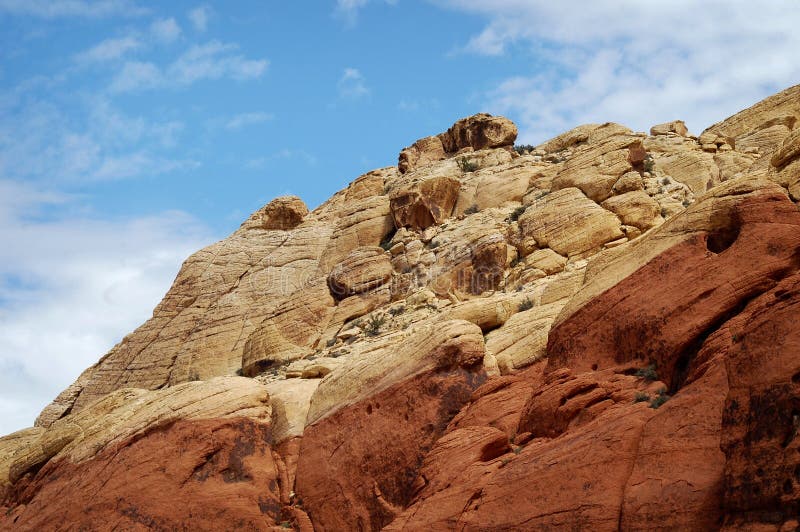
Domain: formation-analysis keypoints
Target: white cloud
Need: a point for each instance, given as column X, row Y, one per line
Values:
column 348, row 10
column 39, row 140
column 352, row 84
column 72, row 8
column 199, row 17
column 70, row 288
column 137, row 75
column 165, row 30
column 634, row 62
column 108, row 50
column 213, row 60
column 248, row 119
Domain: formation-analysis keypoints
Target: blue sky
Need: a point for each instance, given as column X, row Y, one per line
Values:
column 134, row 132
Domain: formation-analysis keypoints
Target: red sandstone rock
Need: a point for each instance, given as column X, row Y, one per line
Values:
column 357, row 466
column 192, row 475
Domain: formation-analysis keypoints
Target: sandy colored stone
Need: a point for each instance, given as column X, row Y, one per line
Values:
column 364, row 269
column 486, row 312
column 629, row 182
column 596, row 167
column 421, row 153
column 289, row 401
column 778, row 106
column 200, row 327
column 584, row 134
column 733, row 164
column 635, row 208
column 695, row 169
column 569, row 222
column 677, row 127
column 546, row 260
column 423, row 203
column 291, row 330
column 364, row 222
column 523, row 338
column 286, row 212
column 788, row 151
column 478, row 132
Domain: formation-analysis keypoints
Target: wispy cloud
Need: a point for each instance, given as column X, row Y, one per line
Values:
column 248, row 119
column 199, row 17
column 71, row 287
column 108, row 50
column 352, row 84
column 72, row 8
column 213, row 60
column 591, row 63
column 39, row 141
column 348, row 10
column 259, row 163
column 165, row 30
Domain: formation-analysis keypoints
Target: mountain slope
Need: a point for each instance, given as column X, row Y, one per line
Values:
column 593, row 333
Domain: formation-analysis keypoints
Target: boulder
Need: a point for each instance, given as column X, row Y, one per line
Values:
column 479, row 132
column 677, row 127
column 286, row 212
column 635, row 208
column 422, row 153
column 596, row 167
column 424, row 203
column 568, row 222
column 363, row 270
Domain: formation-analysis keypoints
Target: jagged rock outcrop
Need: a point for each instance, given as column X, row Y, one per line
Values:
column 595, row 333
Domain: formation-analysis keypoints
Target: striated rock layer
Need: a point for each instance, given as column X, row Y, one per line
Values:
column 597, row 333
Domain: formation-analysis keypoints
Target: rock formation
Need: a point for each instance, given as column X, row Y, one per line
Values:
column 596, row 333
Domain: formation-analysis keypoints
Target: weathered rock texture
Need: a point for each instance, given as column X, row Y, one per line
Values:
column 596, row 333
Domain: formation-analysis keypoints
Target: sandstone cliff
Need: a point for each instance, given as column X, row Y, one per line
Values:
column 595, row 333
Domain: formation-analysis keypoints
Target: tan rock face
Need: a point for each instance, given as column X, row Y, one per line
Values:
column 282, row 213
column 479, row 132
column 598, row 333
column 635, row 208
column 361, row 271
column 676, row 126
column 291, row 330
column 696, row 170
column 422, row 204
column 788, row 151
column 596, row 167
column 568, row 222
column 421, row 153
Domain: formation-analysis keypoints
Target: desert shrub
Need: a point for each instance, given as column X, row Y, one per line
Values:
column 472, row 209
column 648, row 373
column 516, row 213
column 686, row 203
column 665, row 181
column 466, row 165
column 649, row 163
column 522, row 149
column 386, row 242
column 526, row 304
column 659, row 399
column 373, row 326
column 396, row 311
column 641, row 397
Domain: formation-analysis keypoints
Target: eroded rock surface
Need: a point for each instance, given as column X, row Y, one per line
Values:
column 596, row 333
